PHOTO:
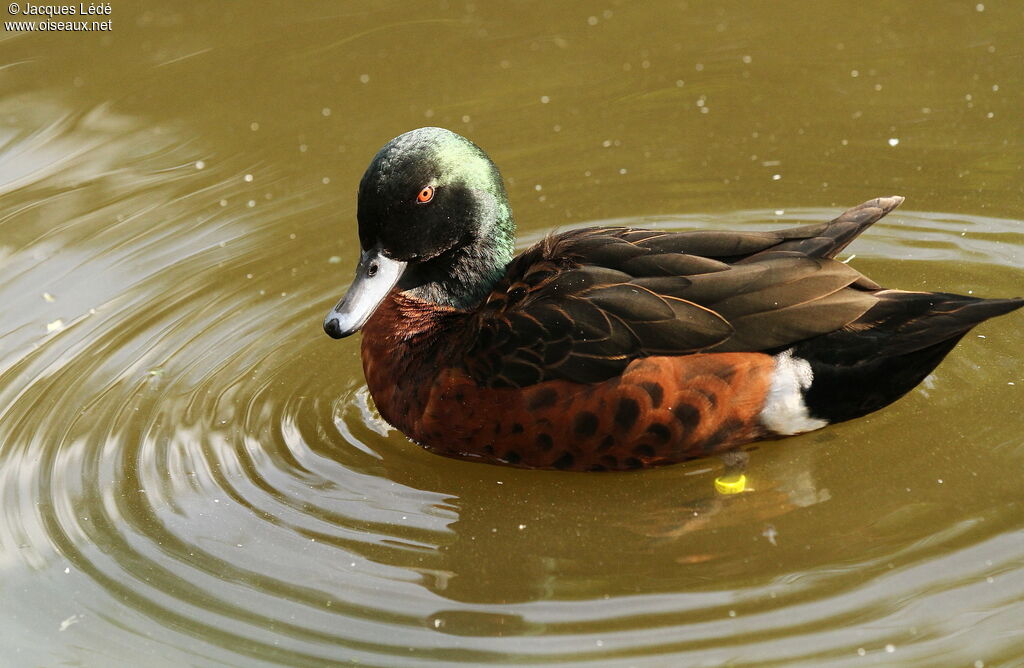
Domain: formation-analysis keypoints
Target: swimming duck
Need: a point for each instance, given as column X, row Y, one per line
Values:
column 609, row 348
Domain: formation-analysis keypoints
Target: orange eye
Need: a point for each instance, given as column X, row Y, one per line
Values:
column 425, row 195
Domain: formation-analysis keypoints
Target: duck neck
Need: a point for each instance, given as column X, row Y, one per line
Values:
column 463, row 276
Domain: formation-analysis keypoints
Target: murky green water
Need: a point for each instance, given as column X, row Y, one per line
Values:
column 191, row 472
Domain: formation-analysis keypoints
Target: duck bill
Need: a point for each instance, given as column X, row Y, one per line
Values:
column 376, row 275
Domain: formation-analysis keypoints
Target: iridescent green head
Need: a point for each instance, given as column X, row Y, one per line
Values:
column 434, row 219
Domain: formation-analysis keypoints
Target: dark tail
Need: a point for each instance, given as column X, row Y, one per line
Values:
column 889, row 350
column 825, row 240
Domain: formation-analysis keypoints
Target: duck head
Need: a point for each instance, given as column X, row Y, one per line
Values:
column 434, row 221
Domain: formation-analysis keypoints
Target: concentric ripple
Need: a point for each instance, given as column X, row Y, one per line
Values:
column 191, row 473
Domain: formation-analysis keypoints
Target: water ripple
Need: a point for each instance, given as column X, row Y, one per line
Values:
column 194, row 457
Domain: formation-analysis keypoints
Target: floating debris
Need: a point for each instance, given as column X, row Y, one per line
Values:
column 73, row 619
column 55, row 325
column 731, row 484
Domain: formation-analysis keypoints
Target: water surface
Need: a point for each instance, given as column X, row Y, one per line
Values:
column 192, row 473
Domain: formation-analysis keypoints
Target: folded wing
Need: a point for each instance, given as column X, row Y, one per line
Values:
column 582, row 305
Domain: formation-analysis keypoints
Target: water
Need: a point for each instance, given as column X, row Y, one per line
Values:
column 191, row 472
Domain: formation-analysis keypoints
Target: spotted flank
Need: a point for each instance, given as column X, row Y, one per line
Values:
column 615, row 348
column 660, row 410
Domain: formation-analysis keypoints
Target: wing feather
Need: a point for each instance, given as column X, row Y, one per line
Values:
column 583, row 304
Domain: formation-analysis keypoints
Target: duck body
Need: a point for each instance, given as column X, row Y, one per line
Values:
column 659, row 410
column 616, row 348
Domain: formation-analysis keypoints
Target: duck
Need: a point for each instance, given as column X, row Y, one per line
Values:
column 616, row 348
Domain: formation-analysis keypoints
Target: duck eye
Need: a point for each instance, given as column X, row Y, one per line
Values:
column 425, row 195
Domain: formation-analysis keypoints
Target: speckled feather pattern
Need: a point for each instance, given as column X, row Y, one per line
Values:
column 660, row 410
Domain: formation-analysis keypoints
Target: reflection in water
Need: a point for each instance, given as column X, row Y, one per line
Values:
column 192, row 474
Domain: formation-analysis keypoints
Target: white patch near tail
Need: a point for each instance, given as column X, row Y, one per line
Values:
column 784, row 410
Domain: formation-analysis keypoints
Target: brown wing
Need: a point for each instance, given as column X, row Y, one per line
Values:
column 582, row 305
